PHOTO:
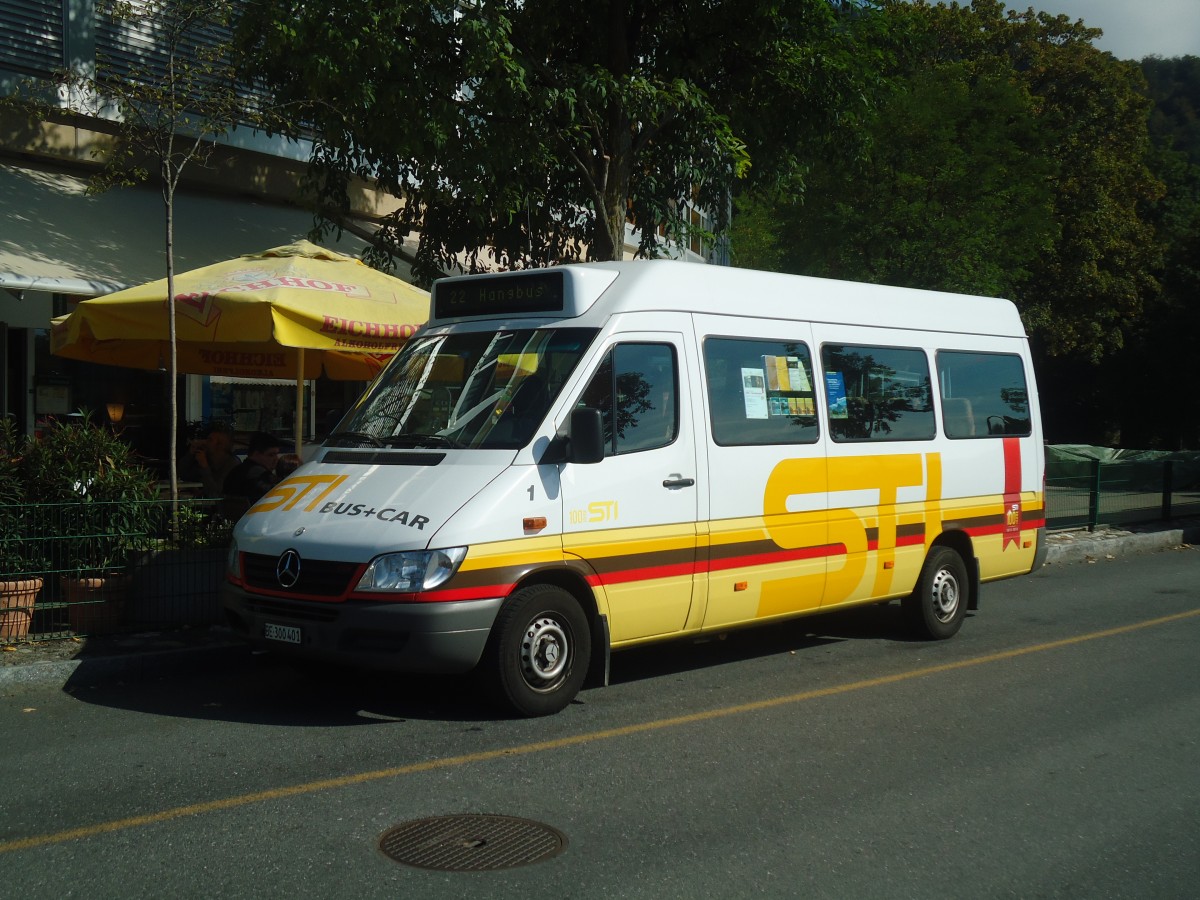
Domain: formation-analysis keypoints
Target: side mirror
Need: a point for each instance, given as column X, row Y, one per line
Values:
column 583, row 442
column 586, row 436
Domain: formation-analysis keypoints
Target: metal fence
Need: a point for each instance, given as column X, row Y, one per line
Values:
column 1090, row 493
column 168, row 571
column 163, row 573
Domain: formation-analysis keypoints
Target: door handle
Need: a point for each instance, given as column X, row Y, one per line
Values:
column 675, row 481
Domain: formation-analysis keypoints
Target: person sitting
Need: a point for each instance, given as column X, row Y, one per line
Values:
column 210, row 459
column 255, row 475
column 288, row 463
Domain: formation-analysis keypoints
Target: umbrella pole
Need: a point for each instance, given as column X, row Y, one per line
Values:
column 299, row 418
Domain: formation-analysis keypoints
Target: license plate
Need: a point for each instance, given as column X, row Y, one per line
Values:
column 289, row 634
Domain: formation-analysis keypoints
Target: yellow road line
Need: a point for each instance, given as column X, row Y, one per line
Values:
column 448, row 762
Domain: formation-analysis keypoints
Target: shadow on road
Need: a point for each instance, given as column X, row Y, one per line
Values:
column 233, row 684
column 237, row 685
column 883, row 622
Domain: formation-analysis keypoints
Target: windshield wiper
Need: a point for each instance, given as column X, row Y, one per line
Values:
column 420, row 440
column 360, row 436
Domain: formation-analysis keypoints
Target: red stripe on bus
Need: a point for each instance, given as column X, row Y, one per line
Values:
column 778, row 556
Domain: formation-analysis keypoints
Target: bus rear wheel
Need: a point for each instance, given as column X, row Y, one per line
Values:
column 937, row 606
column 538, row 654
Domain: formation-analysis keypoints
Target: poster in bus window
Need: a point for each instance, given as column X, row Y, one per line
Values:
column 754, row 393
column 797, row 376
column 835, row 394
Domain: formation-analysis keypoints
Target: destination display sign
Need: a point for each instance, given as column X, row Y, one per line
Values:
column 498, row 295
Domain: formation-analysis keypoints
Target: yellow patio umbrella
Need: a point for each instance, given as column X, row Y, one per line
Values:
column 289, row 312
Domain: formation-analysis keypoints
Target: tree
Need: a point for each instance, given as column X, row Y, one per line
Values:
column 1174, row 86
column 530, row 131
column 170, row 93
column 1151, row 375
column 947, row 194
column 1008, row 156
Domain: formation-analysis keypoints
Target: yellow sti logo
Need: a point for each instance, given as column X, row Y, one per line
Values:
column 1013, row 516
column 596, row 512
column 290, row 493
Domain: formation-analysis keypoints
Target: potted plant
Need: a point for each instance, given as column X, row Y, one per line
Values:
column 21, row 564
column 104, row 510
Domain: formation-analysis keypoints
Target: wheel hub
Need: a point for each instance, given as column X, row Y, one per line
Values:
column 945, row 596
column 544, row 652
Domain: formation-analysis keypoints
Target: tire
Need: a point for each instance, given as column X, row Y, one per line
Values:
column 937, row 606
column 538, row 653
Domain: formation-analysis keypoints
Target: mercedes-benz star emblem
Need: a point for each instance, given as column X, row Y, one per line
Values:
column 287, row 570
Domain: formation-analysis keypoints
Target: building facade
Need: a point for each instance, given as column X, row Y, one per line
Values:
column 60, row 243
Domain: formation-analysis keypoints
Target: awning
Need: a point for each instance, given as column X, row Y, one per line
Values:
column 58, row 239
column 256, row 382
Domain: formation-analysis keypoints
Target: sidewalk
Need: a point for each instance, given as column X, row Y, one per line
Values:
column 116, row 656
column 153, row 654
column 1109, row 543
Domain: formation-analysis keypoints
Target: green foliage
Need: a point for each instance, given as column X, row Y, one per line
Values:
column 198, row 528
column 947, row 194
column 1157, row 407
column 108, row 495
column 20, row 553
column 1007, row 156
column 529, row 131
column 1174, row 86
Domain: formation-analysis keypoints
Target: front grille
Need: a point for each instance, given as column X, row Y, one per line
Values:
column 285, row 609
column 318, row 577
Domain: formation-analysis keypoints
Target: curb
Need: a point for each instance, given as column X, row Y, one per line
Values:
column 1074, row 547
column 130, row 665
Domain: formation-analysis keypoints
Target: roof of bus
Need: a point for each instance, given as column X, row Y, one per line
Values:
column 605, row 288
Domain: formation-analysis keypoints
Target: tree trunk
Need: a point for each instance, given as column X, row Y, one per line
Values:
column 609, row 240
column 614, row 167
column 173, row 365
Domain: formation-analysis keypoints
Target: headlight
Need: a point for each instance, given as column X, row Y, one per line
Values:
column 411, row 571
column 233, row 562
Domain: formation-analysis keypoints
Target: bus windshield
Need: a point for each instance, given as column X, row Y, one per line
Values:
column 487, row 390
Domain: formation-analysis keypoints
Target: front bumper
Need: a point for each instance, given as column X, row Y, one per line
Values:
column 401, row 637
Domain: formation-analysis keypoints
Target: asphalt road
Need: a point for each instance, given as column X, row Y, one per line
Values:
column 1051, row 749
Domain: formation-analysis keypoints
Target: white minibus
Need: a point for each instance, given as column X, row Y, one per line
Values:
column 568, row 461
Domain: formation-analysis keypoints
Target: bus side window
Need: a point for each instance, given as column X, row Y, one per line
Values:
column 636, row 390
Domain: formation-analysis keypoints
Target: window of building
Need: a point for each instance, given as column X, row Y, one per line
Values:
column 31, row 36
column 983, row 394
column 760, row 392
column 877, row 393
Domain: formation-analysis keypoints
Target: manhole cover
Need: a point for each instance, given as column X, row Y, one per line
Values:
column 471, row 843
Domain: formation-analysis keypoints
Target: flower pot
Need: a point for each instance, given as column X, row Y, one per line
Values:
column 95, row 605
column 16, row 607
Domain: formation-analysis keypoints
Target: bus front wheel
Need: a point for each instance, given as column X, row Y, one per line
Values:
column 539, row 650
column 937, row 606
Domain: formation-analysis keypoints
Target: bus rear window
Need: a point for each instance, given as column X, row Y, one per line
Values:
column 983, row 394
